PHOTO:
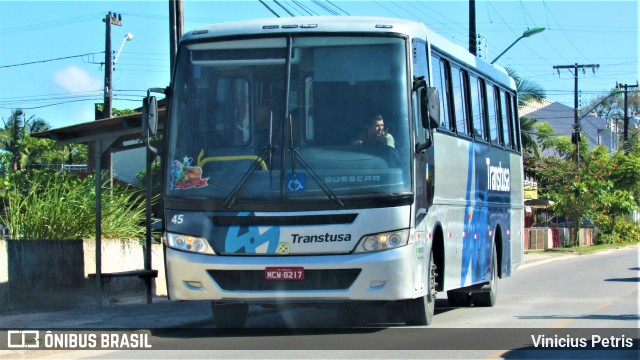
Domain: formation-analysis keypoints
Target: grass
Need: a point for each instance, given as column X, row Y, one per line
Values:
column 63, row 207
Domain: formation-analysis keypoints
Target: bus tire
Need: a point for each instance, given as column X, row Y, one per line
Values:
column 230, row 315
column 420, row 311
column 488, row 298
column 459, row 298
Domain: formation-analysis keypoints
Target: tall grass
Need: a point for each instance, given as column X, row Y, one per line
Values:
column 62, row 206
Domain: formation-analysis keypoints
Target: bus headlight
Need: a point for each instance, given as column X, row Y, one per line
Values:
column 188, row 243
column 383, row 241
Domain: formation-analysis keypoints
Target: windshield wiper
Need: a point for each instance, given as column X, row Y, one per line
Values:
column 255, row 165
column 295, row 155
column 248, row 175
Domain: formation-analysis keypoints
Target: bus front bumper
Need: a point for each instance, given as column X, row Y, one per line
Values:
column 383, row 275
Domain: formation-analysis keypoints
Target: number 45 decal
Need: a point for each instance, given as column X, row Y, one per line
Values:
column 177, row 219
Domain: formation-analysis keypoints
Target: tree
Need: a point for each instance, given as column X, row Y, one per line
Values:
column 14, row 137
column 528, row 90
column 529, row 146
column 116, row 112
column 18, row 149
column 611, row 108
column 603, row 188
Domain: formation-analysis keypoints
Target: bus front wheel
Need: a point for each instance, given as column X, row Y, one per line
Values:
column 420, row 311
column 229, row 315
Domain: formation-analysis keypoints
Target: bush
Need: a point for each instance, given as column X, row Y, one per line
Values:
column 50, row 206
column 627, row 230
column 606, row 238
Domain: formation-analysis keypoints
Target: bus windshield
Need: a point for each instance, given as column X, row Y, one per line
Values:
column 274, row 119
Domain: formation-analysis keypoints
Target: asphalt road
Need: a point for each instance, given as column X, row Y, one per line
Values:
column 570, row 303
column 565, row 302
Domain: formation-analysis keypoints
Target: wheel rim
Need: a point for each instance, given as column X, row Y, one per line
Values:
column 431, row 295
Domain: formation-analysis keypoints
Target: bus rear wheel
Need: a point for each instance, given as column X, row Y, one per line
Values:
column 229, row 315
column 459, row 298
column 420, row 311
column 488, row 297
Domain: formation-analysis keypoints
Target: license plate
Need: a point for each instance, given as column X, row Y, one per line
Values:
column 284, row 273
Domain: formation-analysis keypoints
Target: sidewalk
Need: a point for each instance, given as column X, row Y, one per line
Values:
column 134, row 313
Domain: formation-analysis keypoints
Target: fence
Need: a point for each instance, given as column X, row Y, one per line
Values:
column 550, row 238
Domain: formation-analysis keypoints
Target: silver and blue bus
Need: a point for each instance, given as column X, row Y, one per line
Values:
column 268, row 198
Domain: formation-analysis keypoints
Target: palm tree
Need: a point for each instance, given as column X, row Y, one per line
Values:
column 528, row 90
column 530, row 148
column 14, row 137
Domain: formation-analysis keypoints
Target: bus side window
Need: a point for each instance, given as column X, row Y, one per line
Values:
column 513, row 118
column 494, row 121
column 459, row 99
column 440, row 81
column 504, row 116
column 477, row 107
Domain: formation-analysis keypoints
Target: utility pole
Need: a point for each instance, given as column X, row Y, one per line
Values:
column 472, row 28
column 110, row 19
column 176, row 29
column 625, row 134
column 575, row 135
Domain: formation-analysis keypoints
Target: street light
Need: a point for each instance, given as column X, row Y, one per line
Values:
column 127, row 37
column 525, row 34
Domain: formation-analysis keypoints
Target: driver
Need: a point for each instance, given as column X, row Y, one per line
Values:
column 374, row 133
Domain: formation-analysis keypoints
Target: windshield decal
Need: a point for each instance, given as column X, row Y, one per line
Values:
column 184, row 176
column 296, row 182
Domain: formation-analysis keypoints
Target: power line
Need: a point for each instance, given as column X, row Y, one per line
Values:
column 296, row 7
column 337, row 7
column 332, row 12
column 49, row 60
column 269, row 8
column 386, row 8
column 46, row 25
column 565, row 34
column 305, row 8
column 284, row 8
column 49, row 105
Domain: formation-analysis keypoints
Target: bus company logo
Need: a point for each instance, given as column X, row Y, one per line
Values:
column 499, row 178
column 352, row 179
column 306, row 239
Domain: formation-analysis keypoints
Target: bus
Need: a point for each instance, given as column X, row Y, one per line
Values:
column 272, row 196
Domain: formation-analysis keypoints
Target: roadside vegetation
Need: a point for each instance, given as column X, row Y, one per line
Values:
column 594, row 183
column 586, row 249
column 44, row 205
column 40, row 201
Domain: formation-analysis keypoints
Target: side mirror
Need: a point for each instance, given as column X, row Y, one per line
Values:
column 149, row 115
column 431, row 109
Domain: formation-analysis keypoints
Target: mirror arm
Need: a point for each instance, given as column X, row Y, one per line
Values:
column 419, row 82
column 422, row 147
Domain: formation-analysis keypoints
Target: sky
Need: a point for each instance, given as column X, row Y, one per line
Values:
column 52, row 52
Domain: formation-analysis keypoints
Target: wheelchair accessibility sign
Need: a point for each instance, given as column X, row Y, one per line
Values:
column 296, row 182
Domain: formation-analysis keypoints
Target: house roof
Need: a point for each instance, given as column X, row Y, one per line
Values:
column 561, row 119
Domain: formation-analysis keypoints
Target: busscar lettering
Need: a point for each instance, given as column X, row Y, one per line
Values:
column 499, row 178
column 352, row 179
column 306, row 239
